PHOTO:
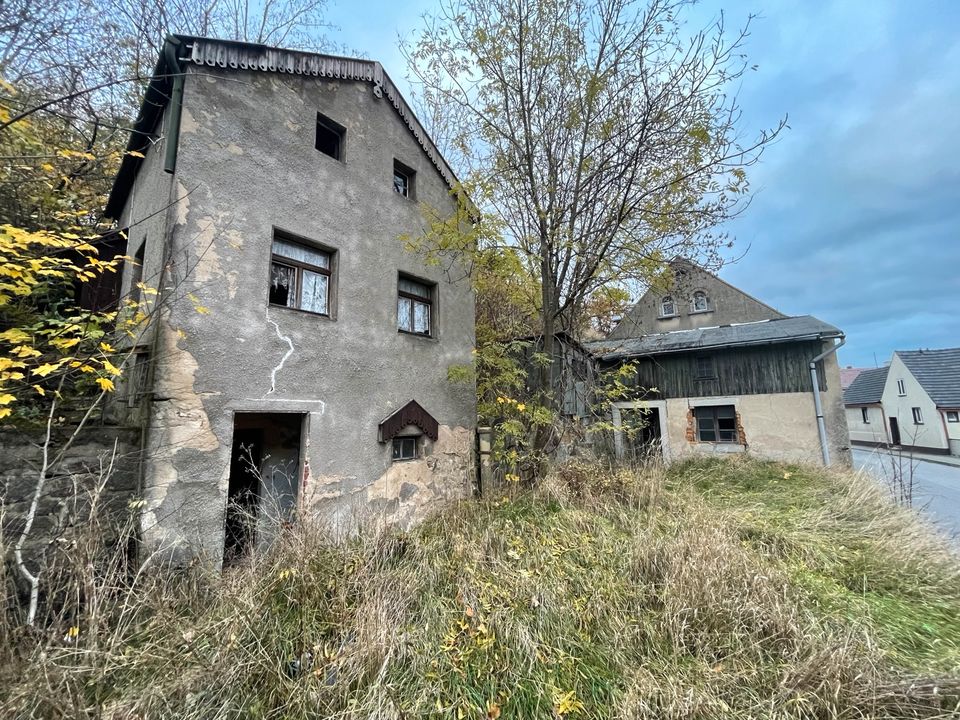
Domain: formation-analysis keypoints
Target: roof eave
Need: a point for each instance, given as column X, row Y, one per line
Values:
column 715, row 346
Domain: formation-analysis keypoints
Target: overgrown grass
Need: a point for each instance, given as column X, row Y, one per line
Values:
column 719, row 589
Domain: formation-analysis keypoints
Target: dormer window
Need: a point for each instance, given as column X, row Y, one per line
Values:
column 667, row 307
column 700, row 302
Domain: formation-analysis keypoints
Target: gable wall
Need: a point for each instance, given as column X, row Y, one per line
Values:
column 728, row 305
column 246, row 164
column 931, row 433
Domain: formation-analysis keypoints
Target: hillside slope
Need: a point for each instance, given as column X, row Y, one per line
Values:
column 717, row 589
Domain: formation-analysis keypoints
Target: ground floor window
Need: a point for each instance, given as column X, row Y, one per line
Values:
column 404, row 448
column 716, row 423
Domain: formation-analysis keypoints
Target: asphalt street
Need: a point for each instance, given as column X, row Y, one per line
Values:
column 936, row 486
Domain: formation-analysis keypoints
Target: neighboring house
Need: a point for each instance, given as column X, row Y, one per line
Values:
column 722, row 372
column 864, row 406
column 921, row 400
column 300, row 359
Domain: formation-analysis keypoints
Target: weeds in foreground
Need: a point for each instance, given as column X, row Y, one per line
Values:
column 715, row 590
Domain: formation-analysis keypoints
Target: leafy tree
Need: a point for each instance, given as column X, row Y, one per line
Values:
column 603, row 132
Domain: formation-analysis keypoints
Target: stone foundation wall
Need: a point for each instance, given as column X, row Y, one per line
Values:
column 70, row 485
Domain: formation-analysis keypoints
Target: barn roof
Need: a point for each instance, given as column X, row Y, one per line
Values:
column 763, row 332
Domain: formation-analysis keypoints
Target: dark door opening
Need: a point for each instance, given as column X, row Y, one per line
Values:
column 264, row 479
column 894, row 431
column 641, row 433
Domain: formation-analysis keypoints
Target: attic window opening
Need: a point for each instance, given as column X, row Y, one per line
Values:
column 865, row 414
column 917, row 416
column 901, row 390
column 404, row 180
column 700, row 302
column 667, row 307
column 953, row 416
column 330, row 137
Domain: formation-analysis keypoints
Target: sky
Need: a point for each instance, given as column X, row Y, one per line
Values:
column 856, row 210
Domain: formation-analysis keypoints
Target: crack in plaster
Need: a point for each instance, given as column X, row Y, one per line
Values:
column 283, row 360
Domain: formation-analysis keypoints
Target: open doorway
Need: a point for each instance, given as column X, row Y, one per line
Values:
column 265, row 459
column 643, row 434
column 894, row 431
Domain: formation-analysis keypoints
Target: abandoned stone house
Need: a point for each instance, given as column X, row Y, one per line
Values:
column 299, row 359
column 718, row 371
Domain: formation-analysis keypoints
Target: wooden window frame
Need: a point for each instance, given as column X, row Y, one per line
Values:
column 917, row 415
column 399, row 442
column 711, row 413
column 410, row 175
column 335, row 128
column 428, row 301
column 298, row 266
column 711, row 373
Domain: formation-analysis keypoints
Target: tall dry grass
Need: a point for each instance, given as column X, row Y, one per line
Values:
column 712, row 590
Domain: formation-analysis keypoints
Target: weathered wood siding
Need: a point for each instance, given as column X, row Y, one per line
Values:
column 783, row 368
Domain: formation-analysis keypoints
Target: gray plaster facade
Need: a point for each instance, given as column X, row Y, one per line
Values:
column 246, row 169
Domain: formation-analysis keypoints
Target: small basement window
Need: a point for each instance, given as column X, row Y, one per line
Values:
column 405, row 448
column 953, row 416
column 330, row 137
column 917, row 416
column 865, row 414
column 300, row 276
column 716, row 423
column 403, row 180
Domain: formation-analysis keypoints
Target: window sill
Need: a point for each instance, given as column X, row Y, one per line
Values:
column 408, row 333
column 668, row 317
column 300, row 311
column 701, row 312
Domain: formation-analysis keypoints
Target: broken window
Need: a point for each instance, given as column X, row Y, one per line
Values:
column 403, row 179
column 414, row 306
column 300, row 276
column 330, row 137
column 716, row 423
column 405, row 448
column 667, row 307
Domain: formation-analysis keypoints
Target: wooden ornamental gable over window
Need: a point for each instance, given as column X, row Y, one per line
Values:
column 409, row 414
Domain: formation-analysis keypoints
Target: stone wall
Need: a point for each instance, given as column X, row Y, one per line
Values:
column 70, row 484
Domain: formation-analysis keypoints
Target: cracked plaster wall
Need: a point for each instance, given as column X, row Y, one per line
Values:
column 247, row 165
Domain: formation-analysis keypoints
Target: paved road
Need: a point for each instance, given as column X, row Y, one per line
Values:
column 936, row 487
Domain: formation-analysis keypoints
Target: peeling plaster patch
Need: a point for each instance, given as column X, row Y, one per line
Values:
column 232, row 277
column 187, row 123
column 183, row 203
column 208, row 262
column 234, row 149
column 286, row 355
column 407, row 492
column 295, row 127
